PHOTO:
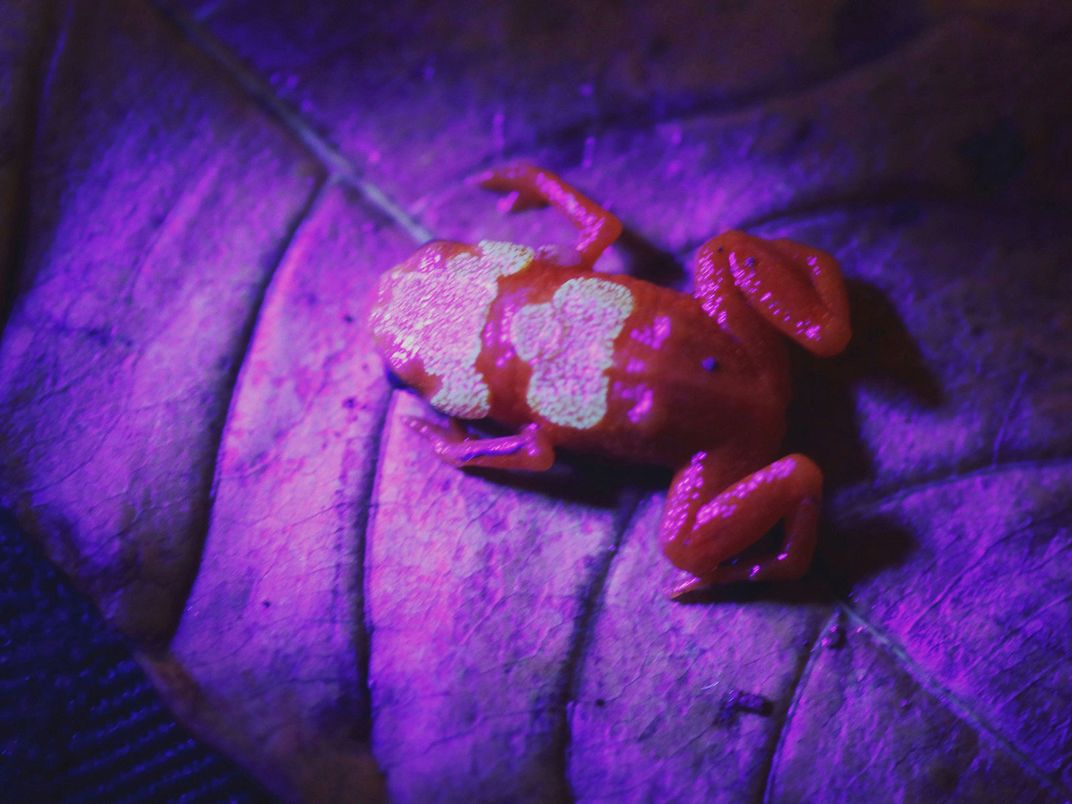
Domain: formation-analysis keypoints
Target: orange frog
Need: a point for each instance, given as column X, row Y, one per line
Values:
column 608, row 364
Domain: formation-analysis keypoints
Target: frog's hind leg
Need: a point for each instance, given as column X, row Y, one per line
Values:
column 529, row 450
column 706, row 525
column 529, row 187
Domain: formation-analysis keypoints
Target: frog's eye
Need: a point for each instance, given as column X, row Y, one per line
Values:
column 709, row 364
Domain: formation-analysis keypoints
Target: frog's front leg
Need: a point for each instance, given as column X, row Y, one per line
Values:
column 527, row 187
column 794, row 288
column 705, row 524
column 528, row 450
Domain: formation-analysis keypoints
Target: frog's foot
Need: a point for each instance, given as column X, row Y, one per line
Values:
column 529, row 450
column 527, row 187
column 797, row 289
column 701, row 533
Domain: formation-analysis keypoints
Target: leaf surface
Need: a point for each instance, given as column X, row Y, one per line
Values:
column 196, row 426
column 150, row 237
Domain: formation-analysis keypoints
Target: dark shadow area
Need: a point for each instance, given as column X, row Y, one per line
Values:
column 14, row 244
column 80, row 721
column 823, row 425
column 857, row 552
column 585, row 479
column 841, row 559
column 809, row 589
column 806, row 591
column 863, row 32
column 574, row 477
column 644, row 260
column 822, row 416
column 882, row 351
column 735, row 701
column 865, row 28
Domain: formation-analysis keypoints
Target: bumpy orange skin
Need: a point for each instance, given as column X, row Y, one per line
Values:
column 613, row 365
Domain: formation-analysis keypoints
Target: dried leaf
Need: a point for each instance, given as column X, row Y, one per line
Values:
column 197, row 428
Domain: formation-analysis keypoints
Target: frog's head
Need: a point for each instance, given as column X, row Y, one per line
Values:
column 429, row 316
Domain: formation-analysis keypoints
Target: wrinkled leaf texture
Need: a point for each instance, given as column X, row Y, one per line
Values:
column 197, row 198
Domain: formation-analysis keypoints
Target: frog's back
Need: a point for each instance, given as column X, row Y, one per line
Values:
column 428, row 317
column 615, row 365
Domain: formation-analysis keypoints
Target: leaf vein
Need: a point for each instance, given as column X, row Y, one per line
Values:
column 245, row 341
column 957, row 706
column 796, row 692
column 591, row 599
column 864, row 500
column 340, row 167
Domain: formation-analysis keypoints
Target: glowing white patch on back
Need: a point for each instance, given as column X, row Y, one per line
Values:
column 569, row 342
column 437, row 312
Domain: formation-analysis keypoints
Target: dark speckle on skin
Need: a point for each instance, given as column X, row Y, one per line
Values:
column 709, row 364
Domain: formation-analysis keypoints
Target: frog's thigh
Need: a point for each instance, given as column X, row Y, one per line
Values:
column 701, row 530
column 529, row 450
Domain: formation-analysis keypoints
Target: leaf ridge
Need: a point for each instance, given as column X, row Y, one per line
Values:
column 583, row 631
column 245, row 340
column 1014, row 402
column 340, row 168
column 796, row 691
column 872, row 194
column 957, row 706
column 640, row 117
column 862, row 501
column 364, row 502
